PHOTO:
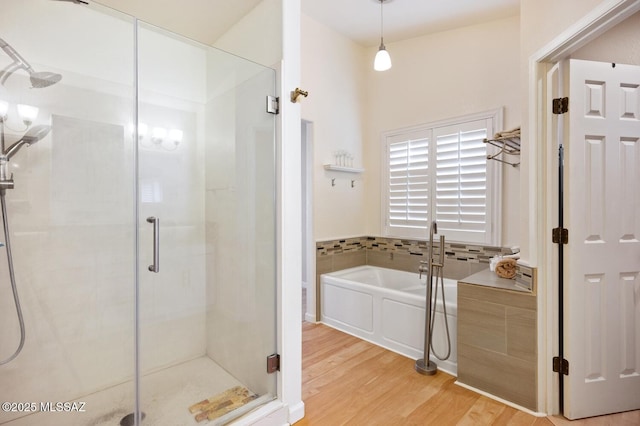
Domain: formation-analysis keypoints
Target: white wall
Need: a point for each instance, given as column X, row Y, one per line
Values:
column 334, row 76
column 433, row 77
column 441, row 76
column 621, row 44
column 257, row 36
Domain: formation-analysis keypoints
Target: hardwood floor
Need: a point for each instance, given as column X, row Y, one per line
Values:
column 347, row 381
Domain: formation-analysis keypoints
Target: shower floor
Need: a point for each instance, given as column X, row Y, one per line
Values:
column 166, row 397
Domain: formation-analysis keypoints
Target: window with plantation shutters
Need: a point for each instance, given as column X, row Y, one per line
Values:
column 408, row 164
column 440, row 172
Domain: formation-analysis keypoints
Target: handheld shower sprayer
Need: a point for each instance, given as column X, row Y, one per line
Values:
column 38, row 79
column 32, row 136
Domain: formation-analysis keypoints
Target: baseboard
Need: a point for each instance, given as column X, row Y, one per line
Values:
column 504, row 401
column 296, row 412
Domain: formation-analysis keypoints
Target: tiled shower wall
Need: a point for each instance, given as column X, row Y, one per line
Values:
column 461, row 260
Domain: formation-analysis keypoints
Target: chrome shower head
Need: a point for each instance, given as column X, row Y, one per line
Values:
column 35, row 134
column 43, row 79
column 38, row 79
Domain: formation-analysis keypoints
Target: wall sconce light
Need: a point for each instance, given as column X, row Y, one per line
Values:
column 161, row 138
column 4, row 109
column 143, row 129
column 158, row 134
column 175, row 137
column 26, row 113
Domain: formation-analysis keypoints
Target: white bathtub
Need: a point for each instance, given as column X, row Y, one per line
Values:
column 387, row 307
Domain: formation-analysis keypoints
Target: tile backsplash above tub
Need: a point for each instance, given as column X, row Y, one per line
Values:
column 461, row 260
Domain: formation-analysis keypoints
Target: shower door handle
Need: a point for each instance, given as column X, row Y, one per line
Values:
column 155, row 267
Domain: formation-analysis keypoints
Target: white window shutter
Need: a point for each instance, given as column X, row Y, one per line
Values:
column 447, row 180
column 408, row 182
column 461, row 175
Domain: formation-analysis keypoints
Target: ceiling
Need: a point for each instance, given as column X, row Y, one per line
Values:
column 202, row 20
column 359, row 20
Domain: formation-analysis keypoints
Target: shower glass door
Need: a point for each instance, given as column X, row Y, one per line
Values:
column 206, row 194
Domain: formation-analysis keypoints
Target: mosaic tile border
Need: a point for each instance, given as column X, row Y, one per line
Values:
column 455, row 251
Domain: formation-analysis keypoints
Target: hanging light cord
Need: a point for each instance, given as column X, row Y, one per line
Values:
column 381, row 24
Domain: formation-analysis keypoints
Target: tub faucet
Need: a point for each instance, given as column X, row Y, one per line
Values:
column 434, row 230
column 423, row 267
column 427, row 265
column 424, row 365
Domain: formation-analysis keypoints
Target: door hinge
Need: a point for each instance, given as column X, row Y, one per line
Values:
column 560, row 236
column 273, row 363
column 560, row 365
column 273, row 105
column 560, row 105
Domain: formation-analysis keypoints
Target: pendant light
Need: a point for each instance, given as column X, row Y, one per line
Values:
column 382, row 62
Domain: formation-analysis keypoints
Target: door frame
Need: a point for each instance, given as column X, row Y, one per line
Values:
column 308, row 248
column 542, row 187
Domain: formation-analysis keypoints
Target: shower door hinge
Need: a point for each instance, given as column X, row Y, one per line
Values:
column 560, row 236
column 560, row 105
column 560, row 365
column 273, row 363
column 273, row 105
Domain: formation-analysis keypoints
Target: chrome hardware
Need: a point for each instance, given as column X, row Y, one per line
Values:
column 6, row 184
column 155, row 267
column 6, row 178
column 423, row 267
column 273, row 105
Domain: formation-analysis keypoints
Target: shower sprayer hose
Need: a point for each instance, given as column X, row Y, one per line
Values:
column 12, row 277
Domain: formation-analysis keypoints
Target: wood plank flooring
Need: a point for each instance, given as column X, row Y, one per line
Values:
column 347, row 381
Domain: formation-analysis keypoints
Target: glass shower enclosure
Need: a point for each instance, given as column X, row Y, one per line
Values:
column 138, row 273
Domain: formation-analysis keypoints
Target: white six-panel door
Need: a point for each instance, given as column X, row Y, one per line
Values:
column 602, row 274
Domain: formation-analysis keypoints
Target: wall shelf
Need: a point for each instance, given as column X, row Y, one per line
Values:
column 344, row 169
column 335, row 168
column 509, row 145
